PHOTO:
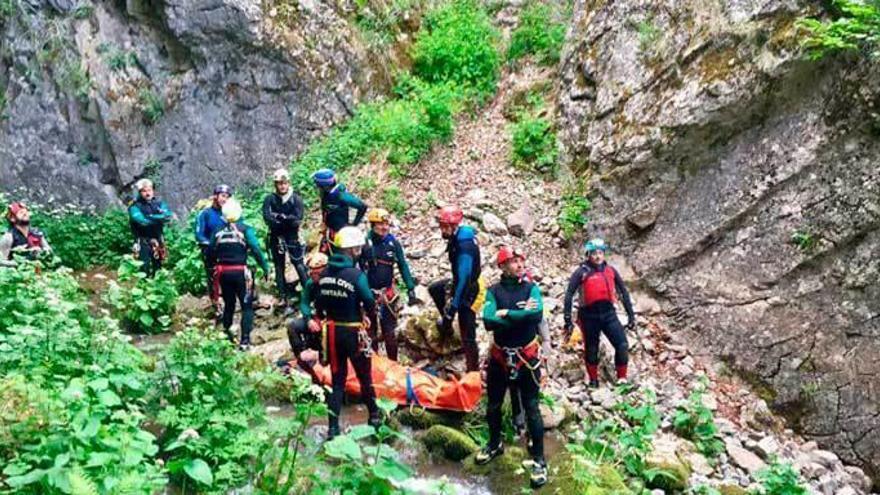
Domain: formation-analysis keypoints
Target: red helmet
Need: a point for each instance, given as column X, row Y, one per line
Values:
column 450, row 215
column 14, row 208
column 507, row 253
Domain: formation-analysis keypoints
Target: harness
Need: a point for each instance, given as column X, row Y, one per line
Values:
column 219, row 270
column 514, row 358
column 328, row 340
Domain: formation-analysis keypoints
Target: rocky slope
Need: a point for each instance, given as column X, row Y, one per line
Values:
column 194, row 92
column 741, row 183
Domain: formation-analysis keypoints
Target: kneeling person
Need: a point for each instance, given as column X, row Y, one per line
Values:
column 344, row 299
column 305, row 333
column 513, row 313
column 232, row 278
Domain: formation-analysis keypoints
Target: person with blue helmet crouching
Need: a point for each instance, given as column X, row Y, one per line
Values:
column 336, row 206
column 599, row 285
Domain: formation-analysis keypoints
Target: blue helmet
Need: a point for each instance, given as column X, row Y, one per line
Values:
column 324, row 177
column 223, row 189
column 595, row 244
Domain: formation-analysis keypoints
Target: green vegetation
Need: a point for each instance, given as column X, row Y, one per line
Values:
column 534, row 144
column 74, row 79
column 380, row 22
column 649, row 36
column 3, row 103
column 541, row 32
column 573, row 211
column 804, row 240
column 151, row 105
column 393, row 200
column 696, row 422
column 855, row 27
column 457, row 45
column 7, row 9
column 143, row 304
column 153, row 171
column 780, row 479
column 116, row 58
column 82, row 239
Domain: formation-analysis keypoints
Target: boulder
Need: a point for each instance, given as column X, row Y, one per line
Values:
column 452, row 444
column 666, row 457
column 604, row 479
column 420, row 419
column 521, row 223
column 493, row 224
column 742, row 457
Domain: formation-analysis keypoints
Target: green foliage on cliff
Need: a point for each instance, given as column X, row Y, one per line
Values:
column 855, row 27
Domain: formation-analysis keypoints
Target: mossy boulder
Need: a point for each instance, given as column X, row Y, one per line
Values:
column 448, row 442
column 671, row 470
column 567, row 475
column 732, row 490
column 421, row 419
column 505, row 473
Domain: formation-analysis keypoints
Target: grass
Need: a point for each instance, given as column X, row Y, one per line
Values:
column 151, row 105
column 393, row 200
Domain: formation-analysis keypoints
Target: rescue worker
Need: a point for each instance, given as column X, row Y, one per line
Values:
column 232, row 278
column 344, row 299
column 209, row 221
column 147, row 216
column 336, row 202
column 465, row 286
column 304, row 333
column 21, row 238
column 513, row 313
column 283, row 213
column 599, row 285
column 379, row 257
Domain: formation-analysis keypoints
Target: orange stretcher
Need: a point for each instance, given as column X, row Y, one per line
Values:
column 413, row 387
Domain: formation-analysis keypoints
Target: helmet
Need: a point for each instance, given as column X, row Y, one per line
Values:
column 316, row 260
column 223, row 189
column 349, row 237
column 281, row 175
column 14, row 208
column 232, row 211
column 507, row 253
column 595, row 244
column 378, row 215
column 142, row 183
column 450, row 215
column 324, row 177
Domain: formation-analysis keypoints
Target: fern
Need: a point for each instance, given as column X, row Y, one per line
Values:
column 80, row 483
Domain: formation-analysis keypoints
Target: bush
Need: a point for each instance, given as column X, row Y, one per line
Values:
column 856, row 28
column 151, row 105
column 696, row 422
column 457, row 44
column 392, row 198
column 780, row 479
column 83, row 240
column 72, row 392
column 573, row 212
column 534, row 144
column 538, row 33
column 143, row 304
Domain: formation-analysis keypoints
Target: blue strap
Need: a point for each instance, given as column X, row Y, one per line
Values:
column 411, row 397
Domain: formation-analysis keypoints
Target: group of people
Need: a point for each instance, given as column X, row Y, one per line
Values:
column 348, row 293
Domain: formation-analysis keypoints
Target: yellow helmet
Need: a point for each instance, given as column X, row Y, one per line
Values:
column 231, row 211
column 316, row 260
column 378, row 215
column 349, row 237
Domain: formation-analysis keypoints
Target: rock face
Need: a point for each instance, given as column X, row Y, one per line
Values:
column 189, row 92
column 740, row 181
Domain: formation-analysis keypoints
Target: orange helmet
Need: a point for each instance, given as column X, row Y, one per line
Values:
column 450, row 215
column 507, row 253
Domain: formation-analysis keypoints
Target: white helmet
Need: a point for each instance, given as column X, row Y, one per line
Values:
column 142, row 183
column 349, row 237
column 281, row 175
column 232, row 210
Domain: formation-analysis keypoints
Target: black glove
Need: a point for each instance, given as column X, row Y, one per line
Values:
column 631, row 324
column 411, row 297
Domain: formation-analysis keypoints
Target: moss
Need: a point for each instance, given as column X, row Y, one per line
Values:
column 673, row 476
column 422, row 420
column 607, row 479
column 732, row 490
column 448, row 442
column 716, row 65
column 504, row 472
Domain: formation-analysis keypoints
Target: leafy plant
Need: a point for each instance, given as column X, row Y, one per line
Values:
column 534, row 144
column 457, row 44
column 804, row 240
column 573, row 211
column 7, row 9
column 649, row 36
column 82, row 239
column 143, row 304
column 153, row 171
column 115, row 58
column 393, row 199
column 151, row 105
column 696, row 422
column 540, row 32
column 74, row 78
column 856, row 27
column 779, row 479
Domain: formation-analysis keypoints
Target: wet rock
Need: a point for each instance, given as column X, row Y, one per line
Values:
column 452, row 444
column 728, row 489
column 552, row 416
column 420, row 419
column 665, row 456
column 505, row 472
column 604, row 479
